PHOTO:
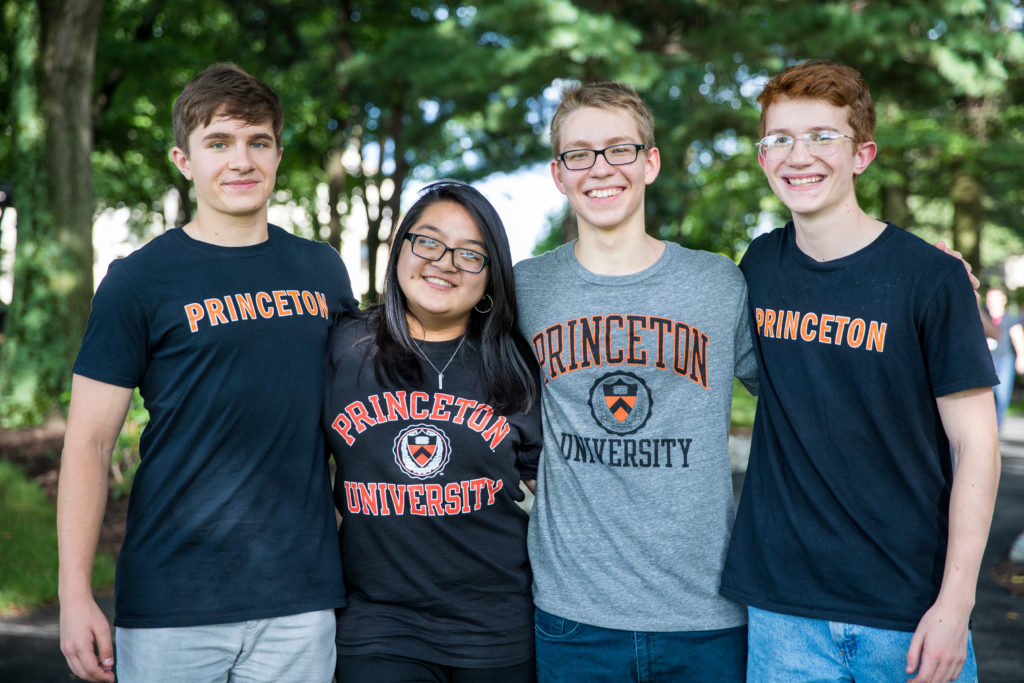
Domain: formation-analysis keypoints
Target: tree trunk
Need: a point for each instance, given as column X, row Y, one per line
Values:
column 894, row 201
column 968, row 193
column 70, row 30
column 53, row 259
column 335, row 185
column 373, row 240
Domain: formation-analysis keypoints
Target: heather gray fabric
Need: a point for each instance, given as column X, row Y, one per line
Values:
column 634, row 499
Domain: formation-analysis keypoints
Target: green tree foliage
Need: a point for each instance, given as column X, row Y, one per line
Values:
column 380, row 94
column 942, row 73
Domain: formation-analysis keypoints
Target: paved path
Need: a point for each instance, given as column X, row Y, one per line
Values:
column 30, row 650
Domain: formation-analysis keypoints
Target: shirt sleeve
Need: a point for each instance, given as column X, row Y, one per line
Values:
column 115, row 348
column 953, row 339
column 745, row 363
column 530, row 443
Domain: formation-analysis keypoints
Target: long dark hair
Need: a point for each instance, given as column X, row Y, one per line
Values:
column 509, row 376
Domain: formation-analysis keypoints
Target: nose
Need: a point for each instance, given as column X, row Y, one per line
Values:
column 242, row 157
column 446, row 263
column 601, row 164
column 799, row 154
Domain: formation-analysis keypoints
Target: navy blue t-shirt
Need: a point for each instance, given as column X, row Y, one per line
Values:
column 230, row 516
column 844, row 511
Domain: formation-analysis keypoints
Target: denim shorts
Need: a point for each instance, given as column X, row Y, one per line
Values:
column 570, row 652
column 298, row 648
column 785, row 648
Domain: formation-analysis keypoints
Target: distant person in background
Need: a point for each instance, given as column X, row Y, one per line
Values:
column 432, row 415
column 1007, row 348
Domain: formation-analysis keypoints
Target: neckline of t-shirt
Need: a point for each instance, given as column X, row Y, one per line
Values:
column 867, row 251
column 568, row 256
column 246, row 250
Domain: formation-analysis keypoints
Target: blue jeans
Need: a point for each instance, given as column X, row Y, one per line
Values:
column 298, row 648
column 570, row 652
column 784, row 648
column 1004, row 390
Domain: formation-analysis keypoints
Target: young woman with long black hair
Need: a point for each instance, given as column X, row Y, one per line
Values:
column 432, row 415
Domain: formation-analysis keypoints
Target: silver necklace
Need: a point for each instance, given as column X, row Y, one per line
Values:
column 440, row 373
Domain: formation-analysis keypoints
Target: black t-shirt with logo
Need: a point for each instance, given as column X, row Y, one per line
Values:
column 433, row 540
column 230, row 517
column 844, row 513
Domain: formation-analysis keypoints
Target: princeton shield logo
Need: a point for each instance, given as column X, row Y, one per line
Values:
column 422, row 448
column 620, row 397
column 621, row 402
column 422, row 451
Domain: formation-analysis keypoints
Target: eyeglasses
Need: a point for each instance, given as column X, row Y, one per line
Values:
column 616, row 155
column 819, row 143
column 434, row 250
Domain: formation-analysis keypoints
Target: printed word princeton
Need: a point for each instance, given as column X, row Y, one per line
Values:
column 840, row 330
column 279, row 303
column 616, row 339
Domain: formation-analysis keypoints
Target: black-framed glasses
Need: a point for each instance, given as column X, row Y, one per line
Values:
column 819, row 143
column 431, row 249
column 616, row 155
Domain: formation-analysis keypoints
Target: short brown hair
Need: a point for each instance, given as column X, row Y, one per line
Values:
column 604, row 95
column 838, row 85
column 225, row 90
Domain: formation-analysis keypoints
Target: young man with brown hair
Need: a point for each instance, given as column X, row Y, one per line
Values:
column 875, row 459
column 638, row 342
column 230, row 566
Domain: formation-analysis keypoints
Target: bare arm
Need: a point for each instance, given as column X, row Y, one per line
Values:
column 531, row 484
column 1017, row 339
column 94, row 420
column 939, row 644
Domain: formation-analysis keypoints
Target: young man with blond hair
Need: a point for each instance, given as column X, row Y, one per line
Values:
column 874, row 460
column 638, row 342
column 230, row 565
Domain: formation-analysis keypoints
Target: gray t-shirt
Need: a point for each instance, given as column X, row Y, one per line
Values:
column 634, row 496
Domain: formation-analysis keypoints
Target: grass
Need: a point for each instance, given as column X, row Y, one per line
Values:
column 28, row 537
column 743, row 405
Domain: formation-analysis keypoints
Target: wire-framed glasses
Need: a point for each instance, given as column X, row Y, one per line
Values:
column 819, row 143
column 616, row 155
column 431, row 249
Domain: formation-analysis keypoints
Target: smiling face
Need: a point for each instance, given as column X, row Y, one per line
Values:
column 605, row 197
column 438, row 296
column 814, row 187
column 233, row 166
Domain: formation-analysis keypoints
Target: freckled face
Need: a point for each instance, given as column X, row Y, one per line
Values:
column 438, row 295
column 233, row 166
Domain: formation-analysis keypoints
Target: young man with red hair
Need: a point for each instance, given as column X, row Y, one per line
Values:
column 875, row 459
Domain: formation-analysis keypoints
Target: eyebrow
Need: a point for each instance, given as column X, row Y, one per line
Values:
column 220, row 135
column 477, row 243
column 812, row 129
column 610, row 142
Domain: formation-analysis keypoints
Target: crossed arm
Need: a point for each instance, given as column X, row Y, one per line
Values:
column 94, row 421
column 938, row 648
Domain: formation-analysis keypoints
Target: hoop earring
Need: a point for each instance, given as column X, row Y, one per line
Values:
column 490, row 305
